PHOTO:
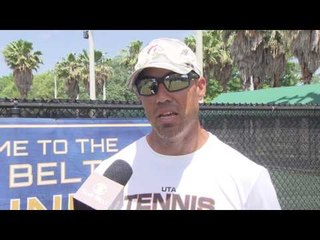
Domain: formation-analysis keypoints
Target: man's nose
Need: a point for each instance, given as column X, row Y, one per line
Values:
column 163, row 94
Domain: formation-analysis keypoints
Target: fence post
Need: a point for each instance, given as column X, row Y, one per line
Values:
column 15, row 112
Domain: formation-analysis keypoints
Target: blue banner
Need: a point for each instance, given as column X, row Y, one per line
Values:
column 44, row 161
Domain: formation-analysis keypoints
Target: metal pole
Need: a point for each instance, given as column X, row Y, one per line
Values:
column 92, row 81
column 55, row 86
column 199, row 49
column 104, row 89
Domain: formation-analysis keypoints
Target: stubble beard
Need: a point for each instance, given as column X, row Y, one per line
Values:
column 173, row 133
column 168, row 133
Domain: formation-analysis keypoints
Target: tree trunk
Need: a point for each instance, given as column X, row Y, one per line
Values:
column 23, row 81
column 306, row 74
column 275, row 81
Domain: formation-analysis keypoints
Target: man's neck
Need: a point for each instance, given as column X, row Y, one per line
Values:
column 179, row 145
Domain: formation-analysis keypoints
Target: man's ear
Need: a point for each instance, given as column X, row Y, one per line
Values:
column 202, row 86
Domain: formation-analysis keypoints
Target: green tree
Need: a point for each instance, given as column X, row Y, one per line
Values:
column 234, row 84
column 8, row 88
column 215, row 88
column 20, row 58
column 117, row 87
column 291, row 76
column 43, row 87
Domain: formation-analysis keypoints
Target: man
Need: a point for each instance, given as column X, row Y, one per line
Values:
column 180, row 165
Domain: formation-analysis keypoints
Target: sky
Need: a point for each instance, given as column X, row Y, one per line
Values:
column 56, row 44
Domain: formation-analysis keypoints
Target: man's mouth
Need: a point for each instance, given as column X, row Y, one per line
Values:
column 167, row 114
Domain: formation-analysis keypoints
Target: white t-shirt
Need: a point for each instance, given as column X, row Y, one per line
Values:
column 214, row 177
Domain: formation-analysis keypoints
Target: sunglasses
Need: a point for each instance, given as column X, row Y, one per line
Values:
column 173, row 82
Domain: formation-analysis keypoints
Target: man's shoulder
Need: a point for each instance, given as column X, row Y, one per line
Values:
column 126, row 154
column 231, row 156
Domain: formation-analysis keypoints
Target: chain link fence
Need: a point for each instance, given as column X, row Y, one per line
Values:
column 283, row 138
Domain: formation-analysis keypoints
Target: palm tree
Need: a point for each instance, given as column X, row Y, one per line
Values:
column 70, row 70
column 258, row 55
column 19, row 57
column 103, row 74
column 222, row 66
column 130, row 55
column 103, row 71
column 275, row 56
column 305, row 46
column 216, row 56
column 246, row 50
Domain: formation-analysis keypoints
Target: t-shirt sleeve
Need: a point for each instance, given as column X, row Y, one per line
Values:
column 263, row 195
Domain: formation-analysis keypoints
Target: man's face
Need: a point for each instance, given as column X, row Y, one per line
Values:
column 172, row 114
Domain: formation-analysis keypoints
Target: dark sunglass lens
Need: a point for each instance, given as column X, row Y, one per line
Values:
column 147, row 86
column 176, row 83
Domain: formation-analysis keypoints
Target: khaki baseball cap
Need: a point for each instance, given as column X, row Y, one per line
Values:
column 167, row 53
